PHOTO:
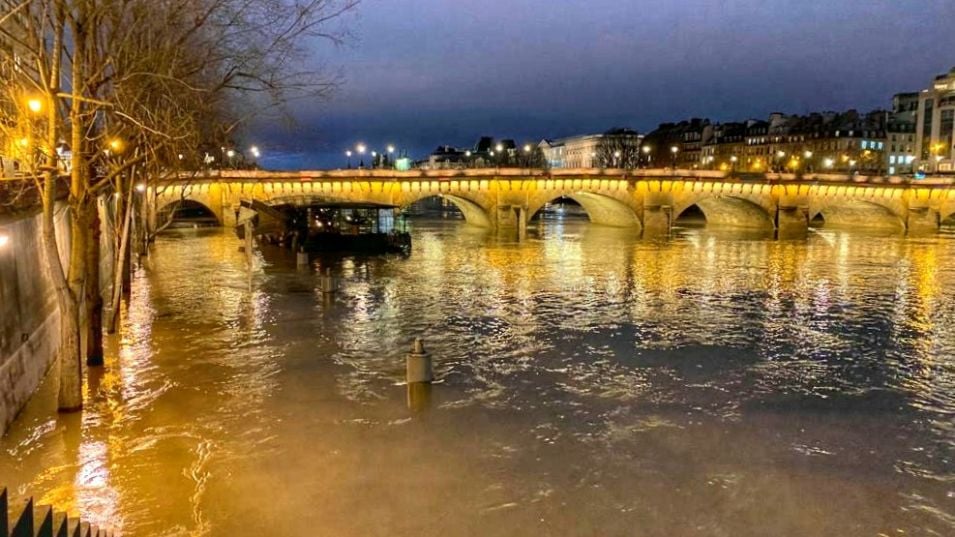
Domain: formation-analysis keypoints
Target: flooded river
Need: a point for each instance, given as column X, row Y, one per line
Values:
column 589, row 384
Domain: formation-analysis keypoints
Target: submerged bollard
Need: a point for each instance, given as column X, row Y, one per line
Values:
column 418, row 364
column 419, row 374
column 301, row 258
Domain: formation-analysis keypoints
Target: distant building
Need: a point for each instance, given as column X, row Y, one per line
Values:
column 935, row 129
column 900, row 126
column 677, row 144
column 826, row 141
column 593, row 150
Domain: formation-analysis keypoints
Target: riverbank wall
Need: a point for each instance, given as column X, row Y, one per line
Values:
column 29, row 317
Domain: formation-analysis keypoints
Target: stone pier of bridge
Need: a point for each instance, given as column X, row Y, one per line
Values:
column 646, row 201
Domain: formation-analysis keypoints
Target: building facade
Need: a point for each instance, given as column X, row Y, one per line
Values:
column 935, row 130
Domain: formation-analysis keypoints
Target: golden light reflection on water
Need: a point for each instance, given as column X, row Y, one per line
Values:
column 588, row 383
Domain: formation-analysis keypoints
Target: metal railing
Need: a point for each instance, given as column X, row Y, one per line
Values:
column 29, row 520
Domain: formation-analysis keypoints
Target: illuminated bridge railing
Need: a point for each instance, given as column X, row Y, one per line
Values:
column 559, row 173
column 29, row 520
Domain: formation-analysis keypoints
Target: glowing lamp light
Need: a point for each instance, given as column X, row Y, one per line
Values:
column 24, row 142
column 499, row 148
column 645, row 149
column 391, row 149
column 348, row 153
column 733, row 158
column 674, row 150
column 361, row 149
column 829, row 163
column 230, row 153
column 35, row 105
column 808, row 154
column 467, row 154
column 255, row 151
column 116, row 145
column 140, row 188
column 4, row 240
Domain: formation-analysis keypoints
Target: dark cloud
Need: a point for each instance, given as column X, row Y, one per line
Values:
column 425, row 72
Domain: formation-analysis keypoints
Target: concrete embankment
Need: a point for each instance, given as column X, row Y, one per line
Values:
column 29, row 317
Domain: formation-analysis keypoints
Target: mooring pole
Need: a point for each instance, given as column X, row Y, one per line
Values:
column 248, row 241
column 301, row 258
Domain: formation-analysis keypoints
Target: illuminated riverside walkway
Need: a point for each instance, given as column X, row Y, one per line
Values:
column 647, row 200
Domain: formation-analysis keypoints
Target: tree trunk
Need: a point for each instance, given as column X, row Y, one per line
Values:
column 122, row 250
column 94, row 298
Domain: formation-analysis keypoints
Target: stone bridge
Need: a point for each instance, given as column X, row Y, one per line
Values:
column 649, row 201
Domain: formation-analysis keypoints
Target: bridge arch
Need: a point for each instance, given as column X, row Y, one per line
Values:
column 848, row 213
column 190, row 207
column 601, row 209
column 728, row 211
column 472, row 211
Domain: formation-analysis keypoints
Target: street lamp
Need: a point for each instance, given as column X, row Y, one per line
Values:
column 4, row 240
column 361, row 149
column 140, row 188
column 255, row 151
column 35, row 105
column 348, row 154
column 828, row 163
column 391, row 149
column 673, row 151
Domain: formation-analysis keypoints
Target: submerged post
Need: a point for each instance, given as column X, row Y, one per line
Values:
column 419, row 374
column 328, row 283
column 301, row 258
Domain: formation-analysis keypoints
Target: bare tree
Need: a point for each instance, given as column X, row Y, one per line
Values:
column 618, row 148
column 134, row 88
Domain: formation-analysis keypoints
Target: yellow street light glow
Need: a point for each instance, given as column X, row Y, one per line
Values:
column 674, row 149
column 829, row 162
column 467, row 153
column 35, row 105
column 140, row 188
column 808, row 154
column 499, row 148
column 230, row 153
column 116, row 145
column 24, row 142
column 4, row 240
column 780, row 154
column 646, row 149
column 361, row 149
column 527, row 148
column 733, row 158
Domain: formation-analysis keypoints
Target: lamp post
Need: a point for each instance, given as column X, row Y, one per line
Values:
column 361, row 148
column 646, row 151
column 348, row 154
column 673, row 151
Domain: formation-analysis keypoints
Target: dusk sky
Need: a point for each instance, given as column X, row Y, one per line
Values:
column 420, row 73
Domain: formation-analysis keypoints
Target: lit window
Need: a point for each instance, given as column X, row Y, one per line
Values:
column 892, row 159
